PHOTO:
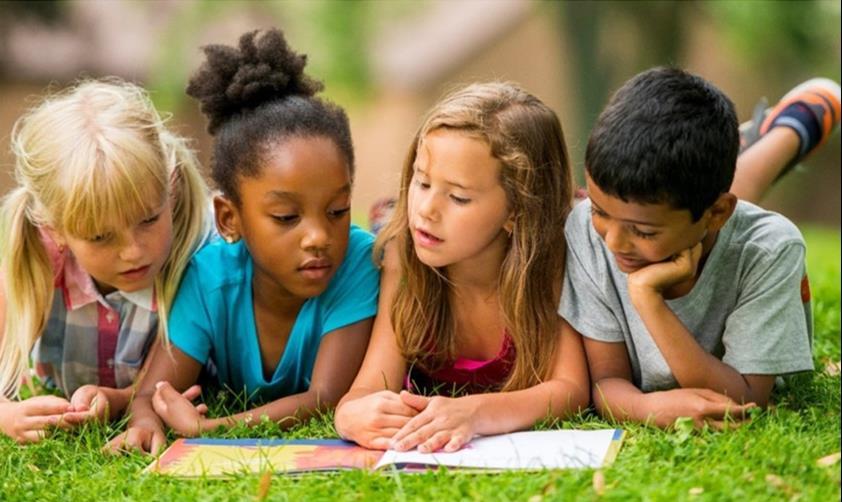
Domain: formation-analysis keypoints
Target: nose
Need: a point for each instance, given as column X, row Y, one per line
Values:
column 426, row 205
column 131, row 248
column 316, row 235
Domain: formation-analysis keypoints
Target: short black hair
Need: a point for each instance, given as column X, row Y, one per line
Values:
column 256, row 95
column 666, row 136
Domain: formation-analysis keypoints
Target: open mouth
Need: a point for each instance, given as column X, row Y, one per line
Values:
column 426, row 239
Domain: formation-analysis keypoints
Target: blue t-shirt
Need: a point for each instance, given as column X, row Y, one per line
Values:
column 212, row 316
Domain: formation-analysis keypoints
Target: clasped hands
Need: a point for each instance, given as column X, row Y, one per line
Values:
column 402, row 421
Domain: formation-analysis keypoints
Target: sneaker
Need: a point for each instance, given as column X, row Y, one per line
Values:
column 811, row 109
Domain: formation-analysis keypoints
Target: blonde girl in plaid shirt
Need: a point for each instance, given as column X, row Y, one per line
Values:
column 109, row 208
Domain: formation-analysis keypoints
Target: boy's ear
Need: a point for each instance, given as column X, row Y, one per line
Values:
column 227, row 218
column 721, row 210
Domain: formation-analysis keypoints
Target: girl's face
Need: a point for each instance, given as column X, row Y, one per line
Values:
column 457, row 207
column 130, row 258
column 294, row 216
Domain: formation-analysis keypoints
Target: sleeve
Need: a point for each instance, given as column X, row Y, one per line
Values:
column 190, row 325
column 353, row 295
column 768, row 333
column 584, row 303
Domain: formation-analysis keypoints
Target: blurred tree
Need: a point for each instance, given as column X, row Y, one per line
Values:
column 612, row 40
column 334, row 35
column 779, row 39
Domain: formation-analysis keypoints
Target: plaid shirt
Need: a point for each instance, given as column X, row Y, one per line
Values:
column 90, row 338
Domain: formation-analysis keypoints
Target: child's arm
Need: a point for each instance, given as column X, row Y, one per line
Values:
column 27, row 421
column 692, row 366
column 616, row 397
column 145, row 431
column 449, row 423
column 337, row 361
column 371, row 412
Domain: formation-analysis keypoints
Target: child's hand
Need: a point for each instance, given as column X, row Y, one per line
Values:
column 146, row 436
column 177, row 410
column 372, row 420
column 657, row 277
column 442, row 423
column 703, row 406
column 89, row 402
column 27, row 421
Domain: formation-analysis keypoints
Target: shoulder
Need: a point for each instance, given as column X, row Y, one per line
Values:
column 359, row 241
column 217, row 264
column 579, row 219
column 583, row 243
column 358, row 256
column 763, row 231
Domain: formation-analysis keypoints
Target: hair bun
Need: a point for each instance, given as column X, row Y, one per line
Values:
column 261, row 69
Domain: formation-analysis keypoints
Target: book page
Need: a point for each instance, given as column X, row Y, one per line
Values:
column 562, row 449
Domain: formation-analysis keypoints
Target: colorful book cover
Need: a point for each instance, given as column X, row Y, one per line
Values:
column 563, row 449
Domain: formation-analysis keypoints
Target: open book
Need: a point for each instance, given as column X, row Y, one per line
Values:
column 560, row 449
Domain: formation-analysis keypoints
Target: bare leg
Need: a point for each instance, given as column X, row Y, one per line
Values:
column 759, row 166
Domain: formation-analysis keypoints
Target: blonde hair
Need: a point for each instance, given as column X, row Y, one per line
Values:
column 87, row 159
column 527, row 138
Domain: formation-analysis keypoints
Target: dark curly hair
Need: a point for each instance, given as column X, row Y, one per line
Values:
column 256, row 95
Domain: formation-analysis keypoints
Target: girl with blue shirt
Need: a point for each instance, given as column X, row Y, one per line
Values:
column 283, row 308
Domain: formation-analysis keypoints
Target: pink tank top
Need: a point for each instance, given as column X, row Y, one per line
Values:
column 465, row 376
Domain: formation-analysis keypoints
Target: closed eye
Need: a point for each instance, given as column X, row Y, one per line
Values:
column 101, row 238
column 151, row 220
column 596, row 212
column 285, row 219
column 459, row 200
column 640, row 233
column 338, row 213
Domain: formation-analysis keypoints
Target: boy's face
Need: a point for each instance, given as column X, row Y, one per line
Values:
column 640, row 234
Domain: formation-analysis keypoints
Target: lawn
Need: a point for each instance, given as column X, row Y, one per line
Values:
column 774, row 457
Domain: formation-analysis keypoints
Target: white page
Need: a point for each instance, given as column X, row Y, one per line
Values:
column 519, row 450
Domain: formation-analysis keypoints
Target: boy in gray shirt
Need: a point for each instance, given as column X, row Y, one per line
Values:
column 690, row 301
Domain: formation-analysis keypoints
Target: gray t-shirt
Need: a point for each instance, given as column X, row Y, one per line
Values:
column 750, row 306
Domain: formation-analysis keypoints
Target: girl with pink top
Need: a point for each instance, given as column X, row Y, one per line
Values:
column 472, row 261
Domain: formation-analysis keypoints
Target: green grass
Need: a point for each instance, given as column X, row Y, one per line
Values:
column 771, row 458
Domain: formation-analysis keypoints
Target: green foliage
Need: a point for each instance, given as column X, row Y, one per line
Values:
column 334, row 35
column 773, row 457
column 783, row 37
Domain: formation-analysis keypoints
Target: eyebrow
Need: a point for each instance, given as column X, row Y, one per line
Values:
column 281, row 194
column 626, row 220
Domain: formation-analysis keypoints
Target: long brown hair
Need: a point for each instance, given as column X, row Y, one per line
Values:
column 526, row 137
